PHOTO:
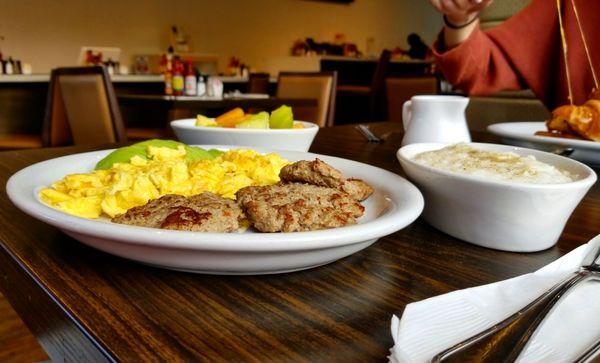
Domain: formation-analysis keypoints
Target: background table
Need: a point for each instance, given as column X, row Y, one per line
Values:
column 83, row 304
column 187, row 106
column 207, row 103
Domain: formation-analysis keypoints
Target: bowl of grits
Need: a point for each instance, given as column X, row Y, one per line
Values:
column 497, row 196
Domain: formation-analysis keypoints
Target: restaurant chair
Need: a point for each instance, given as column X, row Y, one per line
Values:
column 497, row 12
column 372, row 94
column 400, row 90
column 505, row 106
column 82, row 108
column 258, row 83
column 318, row 85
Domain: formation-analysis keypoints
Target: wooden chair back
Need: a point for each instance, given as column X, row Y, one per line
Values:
column 381, row 71
column 82, row 108
column 318, row 85
column 400, row 90
column 258, row 83
column 377, row 106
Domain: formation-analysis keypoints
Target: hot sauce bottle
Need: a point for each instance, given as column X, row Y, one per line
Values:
column 190, row 79
column 169, row 74
column 178, row 82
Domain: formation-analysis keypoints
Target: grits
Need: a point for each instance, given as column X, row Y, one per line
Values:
column 504, row 166
column 110, row 192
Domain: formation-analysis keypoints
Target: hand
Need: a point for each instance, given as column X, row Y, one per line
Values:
column 460, row 11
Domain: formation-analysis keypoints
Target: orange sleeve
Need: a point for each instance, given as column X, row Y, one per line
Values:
column 522, row 52
column 477, row 65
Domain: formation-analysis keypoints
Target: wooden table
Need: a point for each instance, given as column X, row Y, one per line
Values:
column 83, row 304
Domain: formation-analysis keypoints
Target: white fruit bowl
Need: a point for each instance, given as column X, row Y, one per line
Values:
column 280, row 139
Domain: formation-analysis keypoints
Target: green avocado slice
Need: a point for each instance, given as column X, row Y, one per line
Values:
column 124, row 154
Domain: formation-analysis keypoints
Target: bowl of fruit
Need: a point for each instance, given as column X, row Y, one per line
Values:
column 275, row 130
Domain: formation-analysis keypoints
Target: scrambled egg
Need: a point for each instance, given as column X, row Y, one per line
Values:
column 126, row 185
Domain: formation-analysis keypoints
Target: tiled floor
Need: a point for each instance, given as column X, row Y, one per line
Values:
column 17, row 344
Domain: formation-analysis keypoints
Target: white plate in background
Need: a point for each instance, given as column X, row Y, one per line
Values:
column 523, row 134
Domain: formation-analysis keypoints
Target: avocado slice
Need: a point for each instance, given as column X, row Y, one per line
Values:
column 124, row 154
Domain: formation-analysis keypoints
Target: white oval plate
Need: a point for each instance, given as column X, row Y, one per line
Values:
column 395, row 204
column 523, row 134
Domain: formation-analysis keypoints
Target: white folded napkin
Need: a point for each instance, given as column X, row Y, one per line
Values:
column 246, row 95
column 430, row 326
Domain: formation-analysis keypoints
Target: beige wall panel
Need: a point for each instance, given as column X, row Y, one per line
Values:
column 48, row 33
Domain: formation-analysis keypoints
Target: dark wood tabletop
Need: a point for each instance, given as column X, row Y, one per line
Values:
column 191, row 102
column 83, row 304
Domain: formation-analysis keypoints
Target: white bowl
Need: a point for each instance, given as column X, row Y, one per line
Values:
column 503, row 215
column 279, row 139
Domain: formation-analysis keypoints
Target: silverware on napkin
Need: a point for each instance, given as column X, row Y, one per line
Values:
column 504, row 341
column 368, row 134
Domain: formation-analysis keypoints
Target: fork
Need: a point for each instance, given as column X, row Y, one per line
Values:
column 504, row 341
column 368, row 134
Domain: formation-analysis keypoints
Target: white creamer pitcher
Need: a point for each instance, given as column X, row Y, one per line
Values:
column 435, row 119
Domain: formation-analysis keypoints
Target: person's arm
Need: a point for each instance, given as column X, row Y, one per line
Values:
column 469, row 59
column 477, row 66
column 460, row 17
column 454, row 37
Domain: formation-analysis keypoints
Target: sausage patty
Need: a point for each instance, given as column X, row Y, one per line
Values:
column 317, row 172
column 295, row 207
column 206, row 212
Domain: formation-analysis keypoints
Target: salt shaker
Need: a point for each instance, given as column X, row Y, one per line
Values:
column 201, row 87
column 217, row 87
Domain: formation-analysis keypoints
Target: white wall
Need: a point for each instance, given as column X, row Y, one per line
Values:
column 49, row 33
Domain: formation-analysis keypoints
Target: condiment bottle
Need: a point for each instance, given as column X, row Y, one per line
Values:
column 209, row 87
column 8, row 66
column 201, row 87
column 110, row 67
column 217, row 88
column 190, row 80
column 169, row 75
column 178, row 82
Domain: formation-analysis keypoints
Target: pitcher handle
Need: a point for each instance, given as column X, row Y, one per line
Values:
column 406, row 114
